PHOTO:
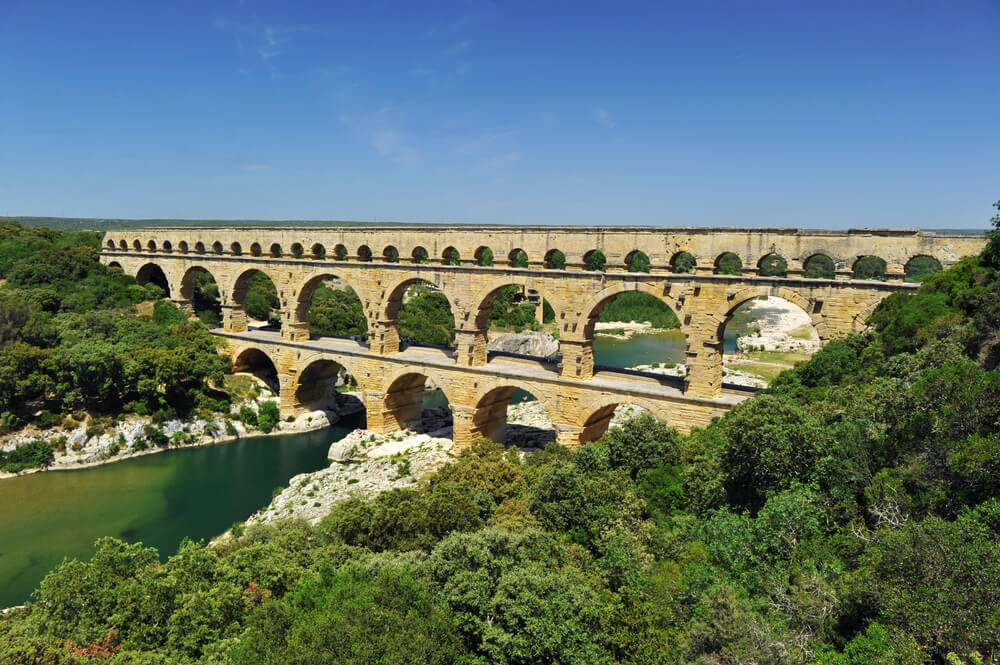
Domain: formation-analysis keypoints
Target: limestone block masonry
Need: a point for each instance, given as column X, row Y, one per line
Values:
column 379, row 263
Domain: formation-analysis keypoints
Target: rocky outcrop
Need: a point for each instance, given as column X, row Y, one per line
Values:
column 529, row 343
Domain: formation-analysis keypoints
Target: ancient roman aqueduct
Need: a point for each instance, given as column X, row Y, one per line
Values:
column 379, row 263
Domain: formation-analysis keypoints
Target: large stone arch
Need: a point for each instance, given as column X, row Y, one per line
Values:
column 316, row 375
column 251, row 358
column 489, row 414
column 389, row 306
column 401, row 402
column 236, row 291
column 154, row 272
column 583, row 327
column 301, row 299
column 187, row 280
column 482, row 302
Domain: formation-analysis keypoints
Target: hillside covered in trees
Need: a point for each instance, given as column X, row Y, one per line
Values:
column 848, row 515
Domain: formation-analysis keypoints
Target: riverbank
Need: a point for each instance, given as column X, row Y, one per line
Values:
column 129, row 438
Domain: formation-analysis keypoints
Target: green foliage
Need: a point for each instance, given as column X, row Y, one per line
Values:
column 452, row 257
column 819, row 266
column 556, row 260
column 486, row 257
column 425, row 317
column 515, row 600
column 684, row 262
column 69, row 341
column 639, row 306
column 388, row 615
column 729, row 264
column 268, row 416
column 595, row 261
column 262, row 299
column 337, row 312
column 32, row 455
column 870, row 267
column 511, row 310
column 519, row 259
column 638, row 262
column 773, row 265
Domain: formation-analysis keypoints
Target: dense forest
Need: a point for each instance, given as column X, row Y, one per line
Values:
column 850, row 514
column 72, row 338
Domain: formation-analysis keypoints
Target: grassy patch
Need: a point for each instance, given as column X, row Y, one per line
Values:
column 786, row 358
column 802, row 332
column 240, row 386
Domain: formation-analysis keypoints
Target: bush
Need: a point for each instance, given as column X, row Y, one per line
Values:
column 268, row 416
column 155, row 435
column 248, row 416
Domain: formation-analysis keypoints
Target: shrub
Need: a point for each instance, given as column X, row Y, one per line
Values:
column 248, row 416
column 268, row 416
column 156, row 436
column 35, row 454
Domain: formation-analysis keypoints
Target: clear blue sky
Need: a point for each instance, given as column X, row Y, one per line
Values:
column 822, row 114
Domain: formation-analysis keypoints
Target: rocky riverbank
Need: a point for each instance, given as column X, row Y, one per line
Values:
column 626, row 329
column 128, row 438
column 528, row 342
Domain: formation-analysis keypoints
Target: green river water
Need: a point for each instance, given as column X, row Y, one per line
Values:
column 196, row 493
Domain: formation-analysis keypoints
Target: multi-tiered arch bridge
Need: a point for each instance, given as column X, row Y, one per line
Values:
column 577, row 270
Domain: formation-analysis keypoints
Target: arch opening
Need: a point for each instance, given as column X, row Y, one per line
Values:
column 151, row 246
column 331, row 308
column 555, row 260
column 152, row 278
column 236, row 249
column 636, row 331
column 198, row 286
column 217, row 247
column 318, row 252
column 728, row 263
column 122, row 245
column 595, row 261
column 297, row 250
column 136, row 245
column 513, row 416
column 637, row 261
column 258, row 364
column 484, row 256
column 683, row 262
column 275, row 251
column 507, row 311
column 110, row 244
column 115, row 265
column 167, row 247
column 420, row 255
column 423, row 314
column 182, row 247
column 870, row 267
column 364, row 254
column 762, row 336
column 772, row 265
column 255, row 249
column 451, row 257
column 257, row 296
column 518, row 258
column 920, row 267
column 340, row 252
column 819, row 266
column 414, row 402
column 390, row 254
column 326, row 385
column 199, row 247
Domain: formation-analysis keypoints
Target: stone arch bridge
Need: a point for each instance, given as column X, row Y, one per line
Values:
column 380, row 263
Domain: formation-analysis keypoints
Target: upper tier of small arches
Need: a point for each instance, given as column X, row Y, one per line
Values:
column 839, row 256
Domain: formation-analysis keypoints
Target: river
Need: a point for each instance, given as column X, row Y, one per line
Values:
column 158, row 499
column 199, row 492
